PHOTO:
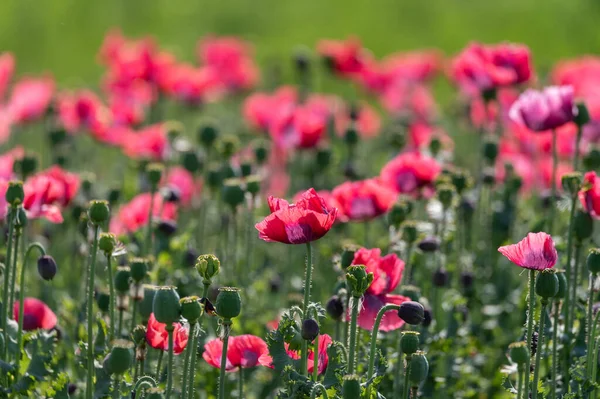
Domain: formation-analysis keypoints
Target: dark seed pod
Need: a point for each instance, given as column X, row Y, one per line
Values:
column 335, row 308
column 440, row 277
column 170, row 194
column 167, row 228
column 429, row 244
column 310, row 330
column 412, row 312
column 428, row 318
column 47, row 267
column 466, row 280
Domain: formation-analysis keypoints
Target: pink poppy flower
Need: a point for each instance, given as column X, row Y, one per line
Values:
column 7, row 161
column 534, row 252
column 544, row 110
column 260, row 108
column 363, row 200
column 151, row 143
column 37, row 315
column 323, row 359
column 134, row 215
column 243, row 351
column 83, row 110
column 193, row 85
column 367, row 122
column 410, row 172
column 589, row 195
column 158, row 337
column 180, row 179
column 63, row 187
column 7, row 68
column 346, row 58
column 30, row 98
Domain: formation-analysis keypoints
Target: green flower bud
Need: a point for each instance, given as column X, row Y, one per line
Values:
column 583, row 226
column 562, row 284
column 139, row 334
column 229, row 302
column 155, row 172
column 191, row 309
column 412, row 312
column 253, row 184
column 358, row 280
column 347, row 256
column 107, row 243
column 208, row 266
column 445, row 194
column 351, row 387
column 410, row 233
column 146, row 304
column 233, row 193
column 98, row 211
column 546, row 284
column 103, row 301
column 571, row 182
column 593, row 260
column 166, row 306
column 122, row 279
column 14, row 193
column 490, row 151
column 139, row 269
column 583, row 115
column 121, row 356
column 419, row 368
column 207, row 135
column 191, row 162
column 261, row 153
column 409, row 342
column 518, row 352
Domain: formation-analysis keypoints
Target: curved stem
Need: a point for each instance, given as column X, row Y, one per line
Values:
column 554, row 347
column 352, row 339
column 373, row 346
column 5, row 311
column 145, row 381
column 90, row 318
column 538, row 355
column 30, row 248
column 161, row 354
column 111, row 304
column 170, row 330
column 226, row 325
column 530, row 317
column 406, row 375
column 318, row 389
column 307, row 286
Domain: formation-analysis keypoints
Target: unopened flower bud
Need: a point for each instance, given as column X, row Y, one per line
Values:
column 166, row 306
column 335, row 308
column 419, row 368
column 14, row 193
column 466, row 280
column 546, row 284
column 358, row 280
column 429, row 244
column 229, row 302
column 47, row 267
column 409, row 342
column 139, row 334
column 246, row 169
column 191, row 309
column 98, row 211
column 440, row 277
column 428, row 318
column 351, row 387
column 310, row 330
column 208, row 266
column 518, row 352
column 583, row 115
column 114, row 194
column 166, row 228
column 412, row 312
column 435, row 146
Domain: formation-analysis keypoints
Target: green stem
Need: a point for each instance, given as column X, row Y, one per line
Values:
column 520, row 377
column 408, row 264
column 553, row 183
column 352, row 339
column 569, row 274
column 188, row 355
column 134, row 312
column 538, row 355
column 13, row 272
column 30, row 248
column 241, row 383
column 554, row 347
column 318, row 389
column 590, row 338
column 116, row 392
column 149, row 228
column 316, row 360
column 307, row 286
column 226, row 326
column 373, row 346
column 161, row 354
column 398, row 370
column 120, row 326
column 143, row 382
column 577, row 143
column 415, row 392
column 194, row 353
column 90, row 318
column 111, row 304
column 5, row 311
column 530, row 317
column 406, row 375
column 170, row 330
column 595, row 368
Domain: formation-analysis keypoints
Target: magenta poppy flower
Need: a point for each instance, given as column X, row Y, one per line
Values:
column 260, row 108
column 346, row 58
column 323, row 359
column 410, row 172
column 133, row 215
column 82, row 110
column 544, row 110
column 37, row 315
column 363, row 200
column 7, row 68
column 534, row 252
column 387, row 272
column 589, row 195
column 30, row 98
column 149, row 143
column 243, row 351
column 309, row 219
column 183, row 181
column 158, row 337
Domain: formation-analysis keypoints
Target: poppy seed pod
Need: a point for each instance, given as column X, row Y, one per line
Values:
column 98, row 211
column 435, row 145
column 15, row 193
column 166, row 306
column 351, row 387
column 87, row 181
column 461, row 180
column 546, row 284
column 440, row 277
column 347, row 256
column 260, row 153
column 518, row 352
column 466, row 280
column 246, row 169
column 445, row 194
column 191, row 161
column 428, row 318
column 323, row 158
column 154, row 172
column 207, row 135
column 412, row 312
column 139, row 334
column 155, row 393
column 114, row 195
column 583, row 225
column 145, row 305
column 120, row 358
column 228, row 145
column 358, row 280
column 490, row 151
column 582, row 117
column 410, row 231
column 139, row 269
column 310, row 330
column 233, row 193
column 122, row 279
column 253, row 184
column 191, row 309
column 103, row 301
column 562, row 284
column 399, row 212
column 229, row 302
column 335, row 308
column 419, row 368
column 571, row 182
column 301, row 60
column 429, row 244
column 167, row 228
column 593, row 260
column 107, row 243
column 208, row 266
column 47, row 267
column 409, row 342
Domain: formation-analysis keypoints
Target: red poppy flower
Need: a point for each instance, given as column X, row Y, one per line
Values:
column 150, row 142
column 64, row 185
column 193, row 85
column 346, row 58
column 180, row 179
column 589, row 195
column 480, row 67
column 7, row 68
column 363, row 200
column 387, row 272
column 158, row 337
column 367, row 122
column 324, row 342
column 243, row 351
column 544, row 110
column 134, row 215
column 30, row 98
column 37, row 315
column 534, row 252
column 7, row 161
column 407, row 98
column 82, row 110
column 409, row 172
column 307, row 220
column 260, row 108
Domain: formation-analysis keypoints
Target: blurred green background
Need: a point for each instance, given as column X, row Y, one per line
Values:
column 62, row 36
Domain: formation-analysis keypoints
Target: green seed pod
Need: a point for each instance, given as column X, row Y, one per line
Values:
column 207, row 135
column 461, row 180
column 246, row 169
column 358, row 280
column 113, row 196
column 15, row 193
column 229, row 302
column 546, row 284
column 122, row 279
column 445, row 194
column 87, row 182
column 409, row 342
column 593, row 260
column 191, row 162
column 583, row 115
column 155, row 393
column 139, row 334
column 518, row 352
column 490, row 151
column 191, row 309
column 146, row 304
column 412, row 312
column 419, row 368
column 399, row 212
column 411, row 291
column 208, row 266
column 323, row 158
column 107, row 243
column 571, row 182
column 103, row 301
column 154, row 172
column 166, row 306
column 260, row 153
column 347, row 256
column 121, row 356
column 351, row 387
column 98, row 211
column 562, row 284
column 410, row 232
column 229, row 145
column 174, row 130
column 214, row 177
column 233, row 193
column 139, row 269
column 253, row 184
column 583, row 225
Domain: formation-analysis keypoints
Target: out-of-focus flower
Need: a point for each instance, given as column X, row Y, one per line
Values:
column 134, row 215
column 420, row 135
column 63, row 185
column 82, row 110
column 534, row 252
column 410, row 172
column 324, row 342
column 309, row 219
column 259, row 108
column 193, row 85
column 544, row 110
column 346, row 58
column 363, row 200
column 404, row 98
column 150, row 143
column 7, row 68
column 387, row 272
column 158, row 337
column 367, row 123
column 7, row 161
column 589, row 195
column 30, row 98
column 37, row 315
column 243, row 351
column 180, row 179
